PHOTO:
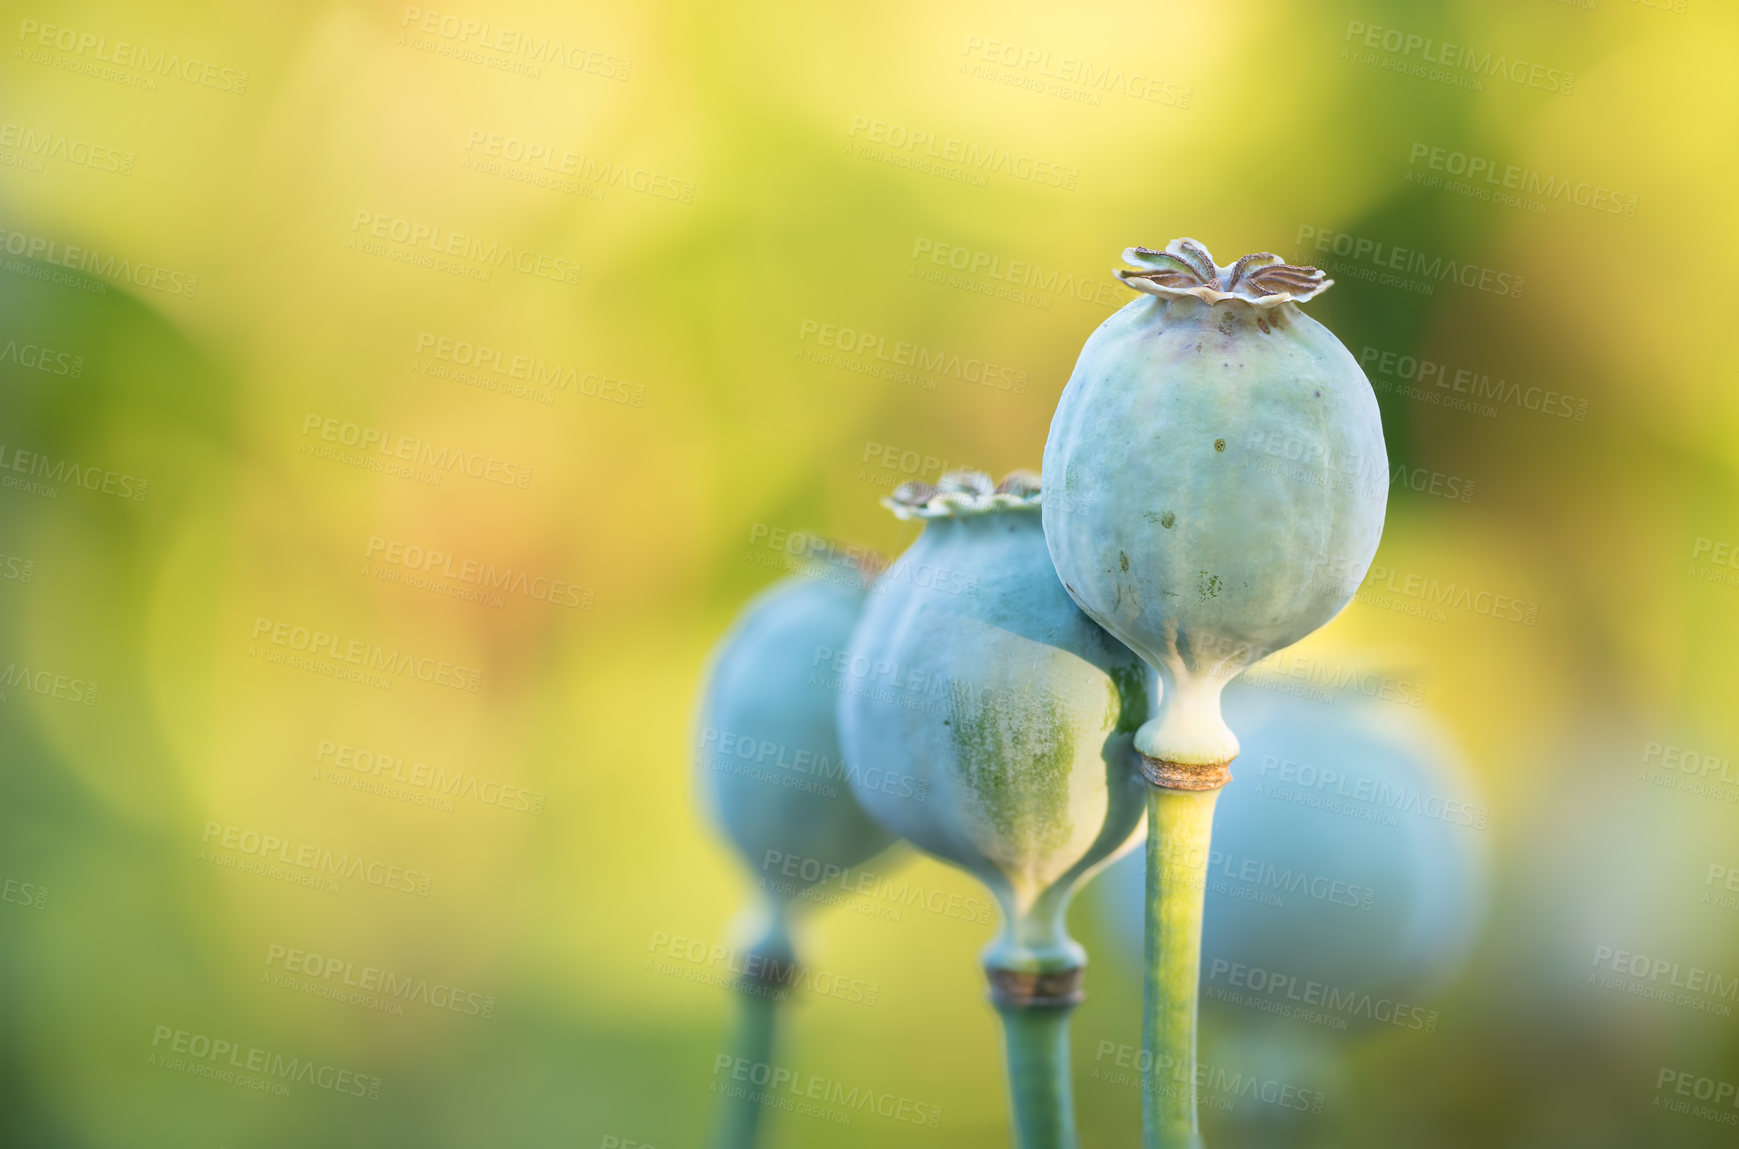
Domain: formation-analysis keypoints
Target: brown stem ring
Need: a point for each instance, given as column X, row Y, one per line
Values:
column 1165, row 775
column 1026, row 989
column 767, row 977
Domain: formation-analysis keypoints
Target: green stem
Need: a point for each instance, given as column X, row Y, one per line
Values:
column 1180, row 824
column 1037, row 1040
column 740, row 1112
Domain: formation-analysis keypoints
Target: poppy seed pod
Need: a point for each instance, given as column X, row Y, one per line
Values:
column 1175, row 525
column 1012, row 711
column 1169, row 520
column 773, row 779
column 770, row 767
column 1014, row 714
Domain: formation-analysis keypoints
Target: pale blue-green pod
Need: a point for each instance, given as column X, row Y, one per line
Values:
column 769, row 764
column 991, row 720
column 1348, row 872
column 1217, row 480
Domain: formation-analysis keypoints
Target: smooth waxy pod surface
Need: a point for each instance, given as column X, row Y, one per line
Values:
column 772, row 776
column 1218, row 479
column 770, row 768
column 1012, row 712
column 979, row 684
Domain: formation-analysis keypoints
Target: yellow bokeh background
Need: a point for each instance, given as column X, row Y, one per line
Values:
column 737, row 193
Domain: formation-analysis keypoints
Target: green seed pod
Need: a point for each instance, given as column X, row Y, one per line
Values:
column 769, row 766
column 1011, row 712
column 1173, row 520
column 773, row 778
column 1015, row 715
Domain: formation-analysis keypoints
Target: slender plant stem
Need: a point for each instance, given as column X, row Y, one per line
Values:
column 739, row 1116
column 1180, row 825
column 1037, row 1040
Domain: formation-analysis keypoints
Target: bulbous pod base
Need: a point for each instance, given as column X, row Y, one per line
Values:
column 1188, row 745
column 770, row 952
column 769, row 764
column 990, row 722
column 1217, row 481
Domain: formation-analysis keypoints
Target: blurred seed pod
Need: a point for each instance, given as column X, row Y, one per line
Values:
column 770, row 769
column 1349, row 867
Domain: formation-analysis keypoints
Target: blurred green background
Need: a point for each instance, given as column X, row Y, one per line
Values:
column 685, row 235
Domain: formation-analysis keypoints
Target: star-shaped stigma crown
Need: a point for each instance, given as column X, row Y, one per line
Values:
column 1261, row 278
column 962, row 493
